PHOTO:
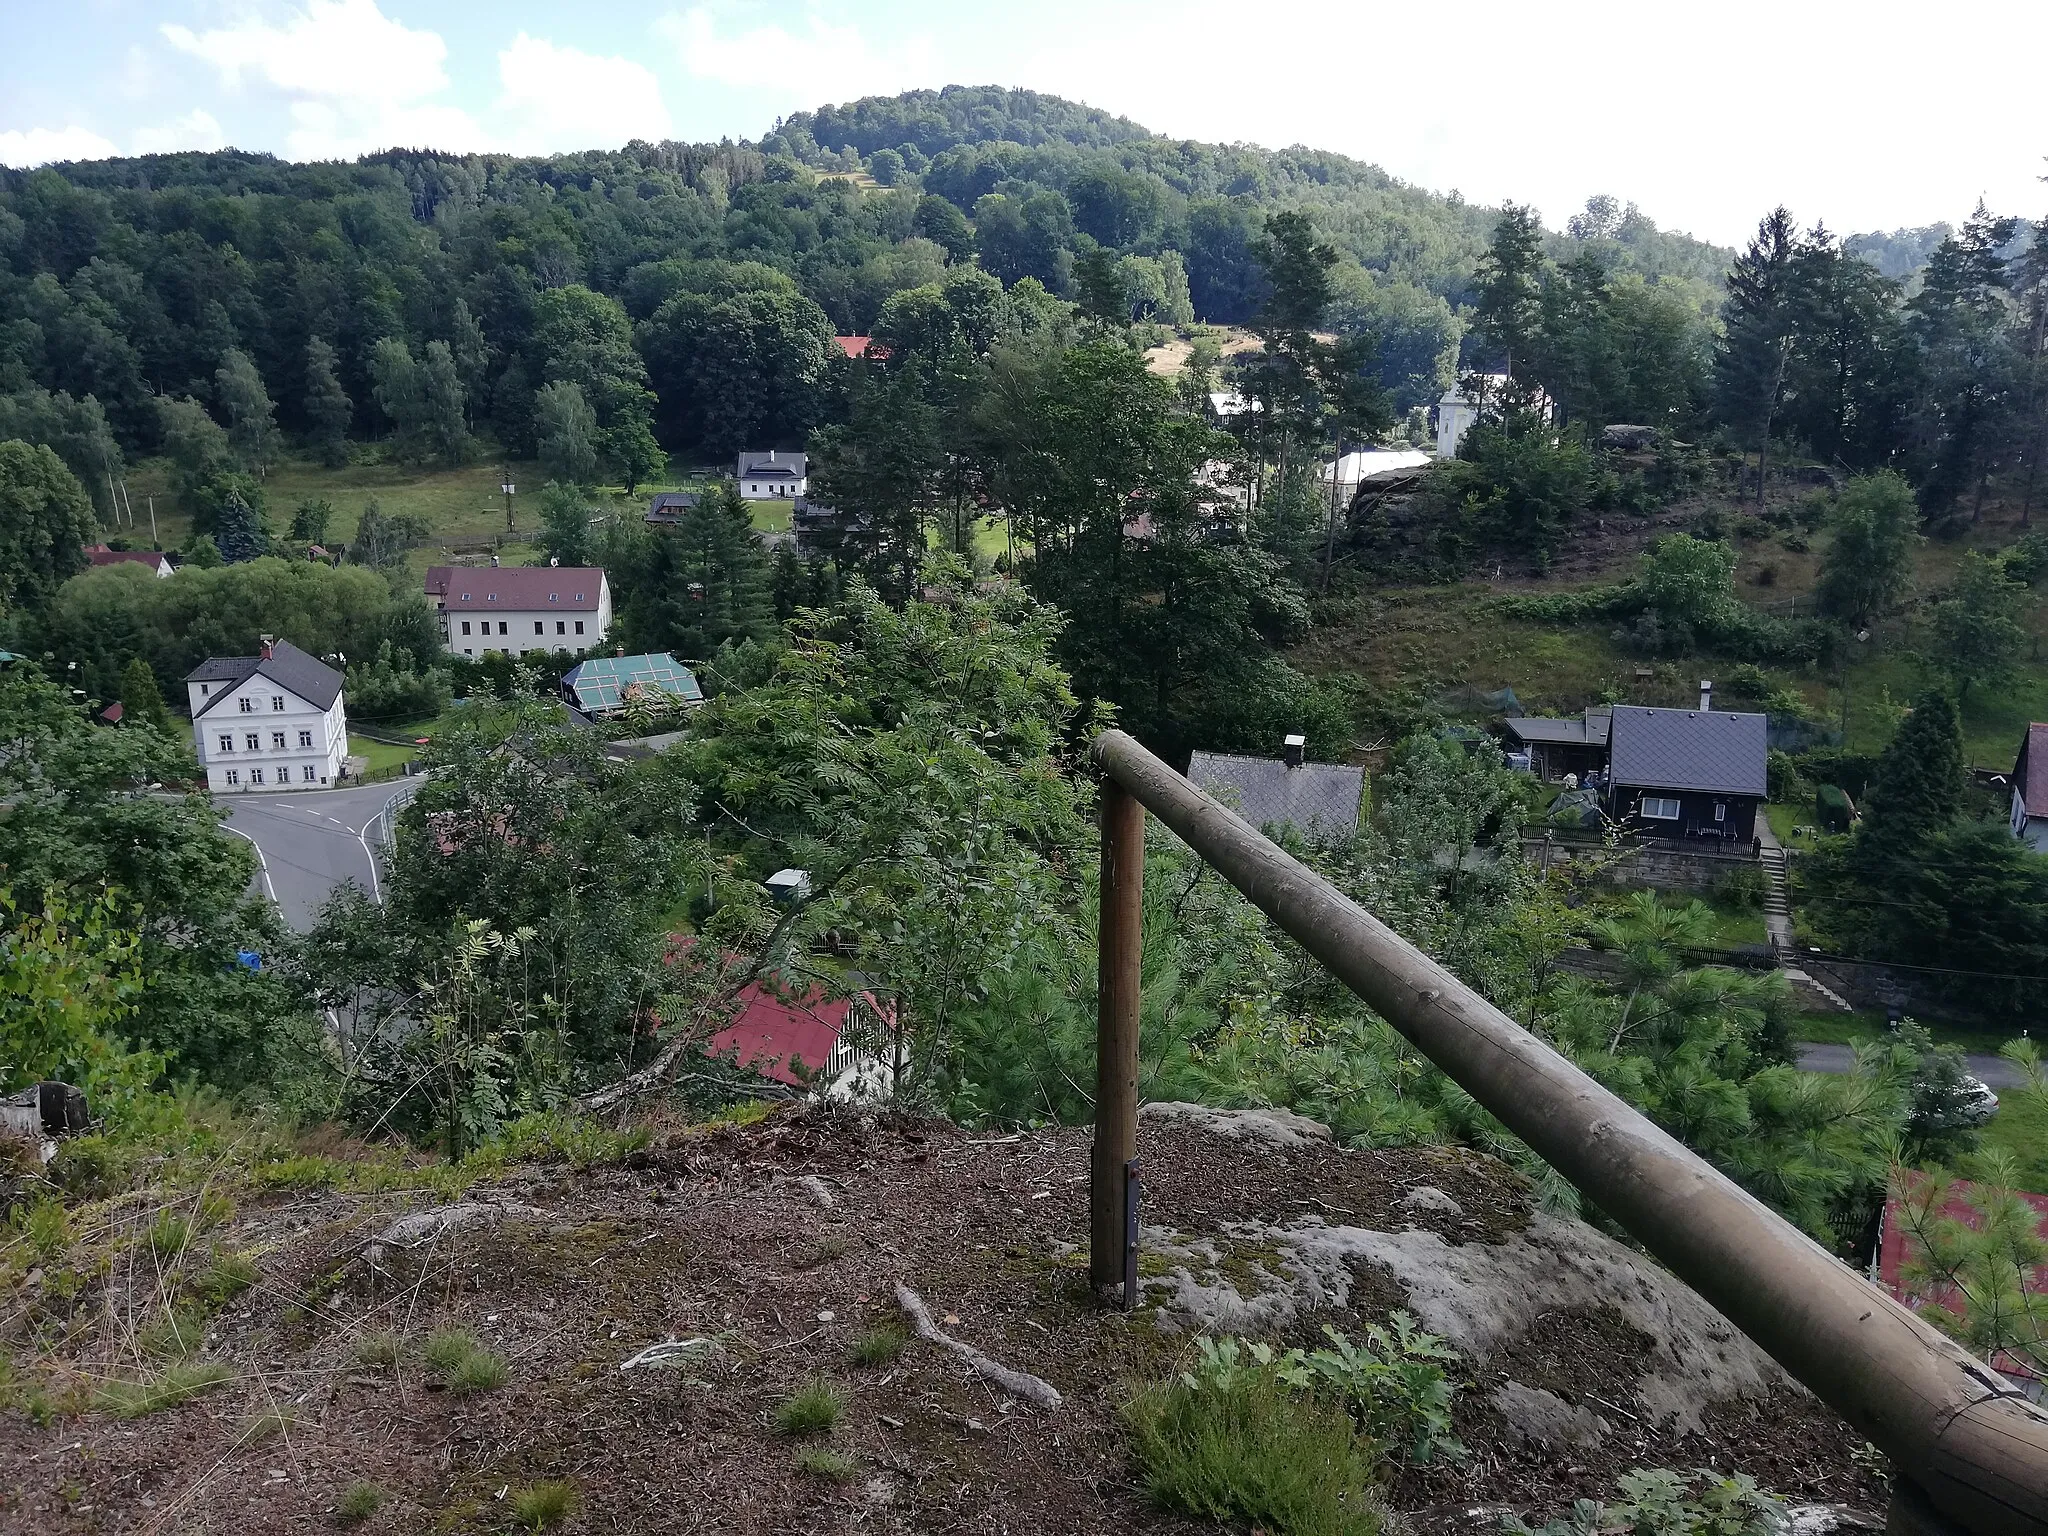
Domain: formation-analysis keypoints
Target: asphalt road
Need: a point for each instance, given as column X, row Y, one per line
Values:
column 309, row 842
column 1994, row 1070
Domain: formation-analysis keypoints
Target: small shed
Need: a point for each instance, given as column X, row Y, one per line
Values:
column 1688, row 773
column 1318, row 800
column 1563, row 744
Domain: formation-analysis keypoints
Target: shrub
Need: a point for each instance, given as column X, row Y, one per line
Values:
column 816, row 1409
column 358, row 1501
column 878, row 1346
column 1741, row 890
column 1245, row 1448
column 539, row 1505
column 1661, row 1503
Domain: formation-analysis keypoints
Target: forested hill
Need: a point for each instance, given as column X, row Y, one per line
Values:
column 125, row 280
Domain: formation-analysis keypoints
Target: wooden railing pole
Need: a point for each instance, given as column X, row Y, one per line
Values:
column 1120, row 948
column 1970, row 1451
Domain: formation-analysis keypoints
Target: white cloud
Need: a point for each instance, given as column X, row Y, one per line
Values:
column 345, row 49
column 25, row 147
column 817, row 63
column 358, row 80
column 197, row 129
column 558, row 98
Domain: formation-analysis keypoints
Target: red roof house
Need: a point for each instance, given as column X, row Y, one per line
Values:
column 1896, row 1247
column 155, row 559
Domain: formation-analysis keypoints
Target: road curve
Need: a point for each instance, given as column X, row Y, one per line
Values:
column 310, row 841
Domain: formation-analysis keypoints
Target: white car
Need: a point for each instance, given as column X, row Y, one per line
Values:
column 1979, row 1102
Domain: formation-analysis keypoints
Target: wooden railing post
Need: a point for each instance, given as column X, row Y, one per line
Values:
column 1120, row 946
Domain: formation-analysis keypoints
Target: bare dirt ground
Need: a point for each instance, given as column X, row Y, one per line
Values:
column 723, row 1236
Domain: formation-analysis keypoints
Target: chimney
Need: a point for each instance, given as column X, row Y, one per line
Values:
column 1706, row 694
column 264, row 650
column 1292, row 749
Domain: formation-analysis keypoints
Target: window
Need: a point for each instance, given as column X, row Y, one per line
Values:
column 1720, row 811
column 467, row 651
column 465, row 626
column 255, row 775
column 205, row 689
column 277, row 703
column 306, row 740
column 248, row 705
column 579, row 626
column 539, row 628
column 504, row 628
column 306, row 773
column 1660, row 808
column 234, row 776
column 253, row 741
column 561, row 628
column 227, row 742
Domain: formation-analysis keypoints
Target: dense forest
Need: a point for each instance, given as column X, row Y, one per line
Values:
column 728, row 267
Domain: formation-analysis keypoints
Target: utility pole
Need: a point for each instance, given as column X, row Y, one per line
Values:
column 506, row 486
column 153, row 539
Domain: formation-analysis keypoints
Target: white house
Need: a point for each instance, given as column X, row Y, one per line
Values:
column 2030, row 789
column 270, row 721
column 520, row 608
column 774, row 476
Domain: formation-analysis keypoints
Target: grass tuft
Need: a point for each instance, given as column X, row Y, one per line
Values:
column 179, row 1382
column 878, row 1346
column 176, row 1335
column 448, row 1348
column 1250, row 1451
column 266, row 1425
column 379, row 1350
column 358, row 1501
column 169, row 1234
column 480, row 1372
column 822, row 1461
column 816, row 1409
column 225, row 1278
column 540, row 1505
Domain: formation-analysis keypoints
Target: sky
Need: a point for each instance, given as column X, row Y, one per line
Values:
column 1862, row 114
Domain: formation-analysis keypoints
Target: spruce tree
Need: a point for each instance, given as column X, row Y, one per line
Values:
column 1509, row 280
column 141, row 700
column 1919, row 785
column 718, row 587
column 328, row 409
column 1756, row 350
column 238, row 530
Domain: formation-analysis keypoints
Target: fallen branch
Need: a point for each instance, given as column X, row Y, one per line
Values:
column 1017, row 1383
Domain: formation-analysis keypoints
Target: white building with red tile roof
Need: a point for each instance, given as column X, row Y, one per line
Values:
column 516, row 609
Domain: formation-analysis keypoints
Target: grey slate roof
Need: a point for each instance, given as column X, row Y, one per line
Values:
column 1587, row 730
column 759, row 466
column 1319, row 799
column 1718, row 752
column 290, row 668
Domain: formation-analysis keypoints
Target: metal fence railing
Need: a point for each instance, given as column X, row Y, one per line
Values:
column 1970, row 1451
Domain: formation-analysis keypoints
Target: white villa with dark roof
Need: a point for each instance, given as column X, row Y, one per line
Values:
column 520, row 608
column 773, row 476
column 270, row 721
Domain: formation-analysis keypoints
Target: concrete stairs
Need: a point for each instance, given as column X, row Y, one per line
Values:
column 1778, row 922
